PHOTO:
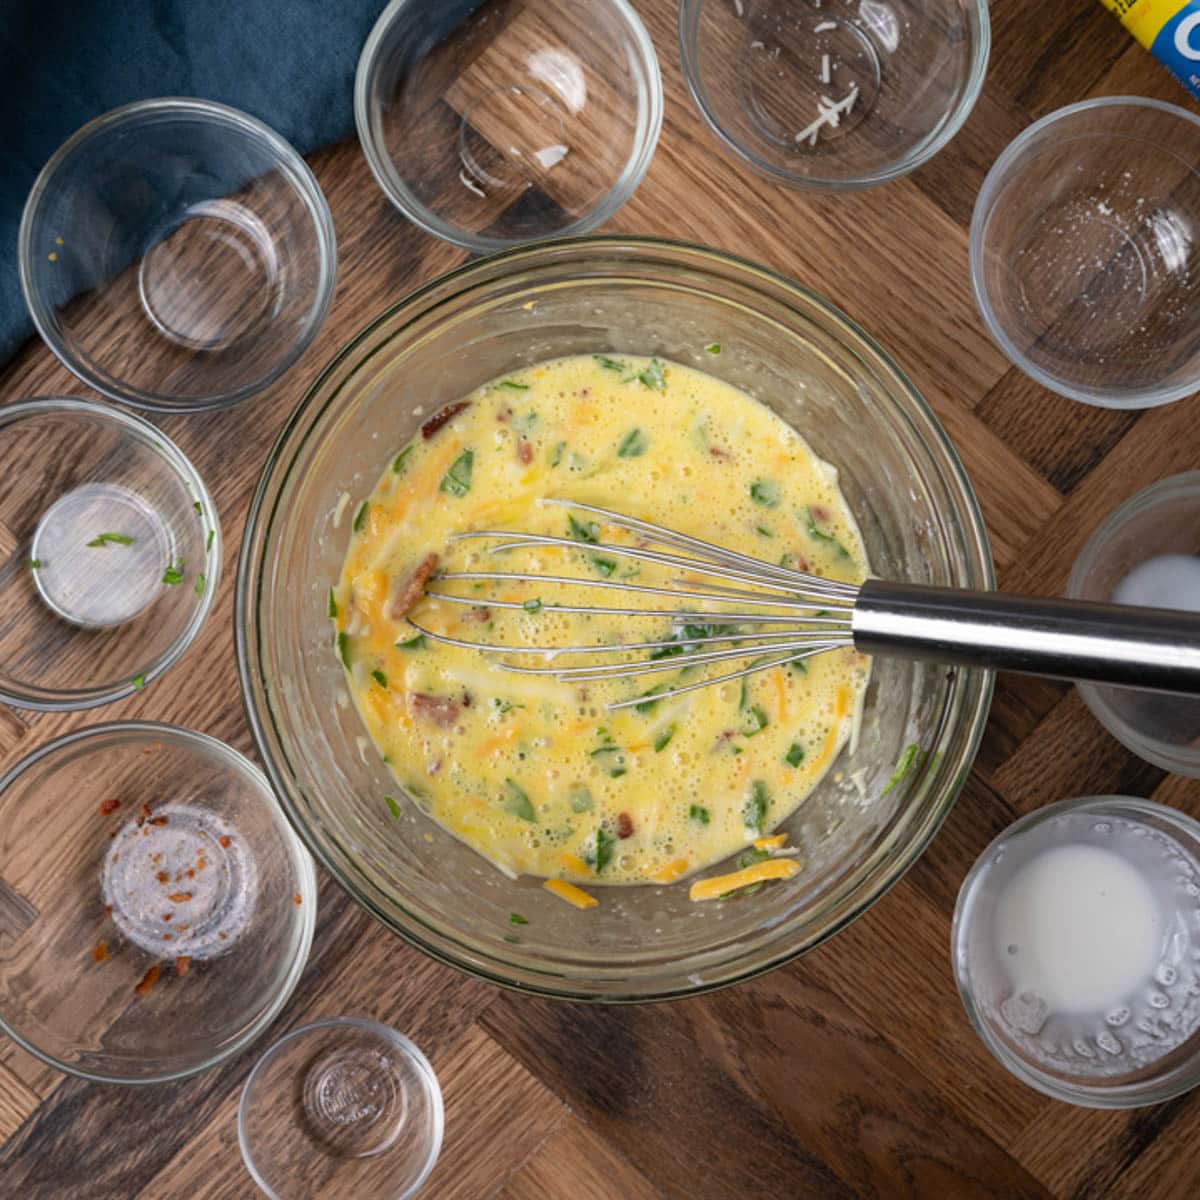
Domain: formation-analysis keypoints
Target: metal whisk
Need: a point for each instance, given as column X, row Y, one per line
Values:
column 798, row 615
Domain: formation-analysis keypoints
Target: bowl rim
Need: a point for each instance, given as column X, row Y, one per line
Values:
column 689, row 19
column 306, row 881
column 426, row 219
column 300, row 176
column 1180, row 759
column 1149, row 397
column 406, row 1046
column 130, row 424
column 1083, row 1095
column 973, row 707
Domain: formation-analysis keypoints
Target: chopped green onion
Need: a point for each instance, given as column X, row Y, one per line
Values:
column 457, row 480
column 751, row 856
column 663, row 739
column 532, row 606
column 583, row 531
column 35, row 564
column 795, row 755
column 912, row 756
column 513, row 385
column 333, row 610
column 119, row 539
column 517, row 802
column 765, row 492
column 647, row 706
column 393, row 807
column 652, row 377
column 697, row 812
column 139, row 682
column 208, row 541
column 632, row 445
column 556, row 452
column 754, row 811
column 713, row 348
column 756, row 721
column 516, row 919
column 201, row 580
column 173, row 575
column 343, row 645
column 360, row 517
column 198, row 507
column 379, row 677
column 820, row 536
column 799, row 665
column 609, row 364
column 580, row 799
column 764, row 531
column 606, row 566
column 415, row 643
column 602, row 855
column 398, row 463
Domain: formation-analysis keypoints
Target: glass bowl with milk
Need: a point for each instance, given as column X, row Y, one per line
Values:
column 1148, row 553
column 1076, row 947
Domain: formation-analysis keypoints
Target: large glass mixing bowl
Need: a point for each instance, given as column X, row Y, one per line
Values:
column 858, row 831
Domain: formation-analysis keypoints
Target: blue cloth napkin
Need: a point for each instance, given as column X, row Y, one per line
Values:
column 62, row 62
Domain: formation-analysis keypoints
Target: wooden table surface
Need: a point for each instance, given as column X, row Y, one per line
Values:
column 853, row 1071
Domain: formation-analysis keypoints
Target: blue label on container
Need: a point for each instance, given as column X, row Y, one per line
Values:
column 1177, row 46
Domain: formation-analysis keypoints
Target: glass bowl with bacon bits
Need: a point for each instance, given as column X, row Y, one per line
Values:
column 156, row 908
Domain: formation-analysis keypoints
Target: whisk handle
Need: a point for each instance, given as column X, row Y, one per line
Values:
column 1153, row 648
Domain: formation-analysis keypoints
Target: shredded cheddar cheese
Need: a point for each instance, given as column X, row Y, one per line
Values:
column 718, row 885
column 570, row 893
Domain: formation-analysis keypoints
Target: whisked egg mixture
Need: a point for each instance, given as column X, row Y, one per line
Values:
column 534, row 773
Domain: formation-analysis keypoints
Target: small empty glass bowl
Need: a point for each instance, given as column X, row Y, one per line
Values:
column 1076, row 947
column 489, row 124
column 840, row 94
column 158, row 908
column 110, row 553
column 177, row 254
column 343, row 1107
column 1148, row 553
column 1085, row 256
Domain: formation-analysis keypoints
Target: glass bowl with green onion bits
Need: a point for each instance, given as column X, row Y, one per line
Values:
column 110, row 551
column 875, row 809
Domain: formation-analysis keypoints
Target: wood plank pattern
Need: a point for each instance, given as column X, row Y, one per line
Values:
column 853, row 1072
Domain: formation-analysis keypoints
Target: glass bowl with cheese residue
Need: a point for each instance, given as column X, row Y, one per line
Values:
column 870, row 815
column 840, row 94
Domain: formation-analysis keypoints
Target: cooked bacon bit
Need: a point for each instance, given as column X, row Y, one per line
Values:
column 584, row 393
column 143, row 815
column 167, row 916
column 800, row 563
column 109, row 806
column 409, row 589
column 167, row 937
column 179, row 897
column 478, row 613
column 819, row 512
column 504, row 416
column 220, row 933
column 719, row 453
column 201, row 864
column 148, row 981
column 524, row 452
column 157, row 821
column 190, row 873
column 100, row 954
column 297, row 899
column 156, row 858
column 162, row 877
column 108, row 910
column 225, row 839
column 441, row 710
column 624, row 825
column 183, row 928
column 182, row 963
column 439, row 419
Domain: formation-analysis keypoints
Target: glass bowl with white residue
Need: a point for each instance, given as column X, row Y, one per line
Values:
column 157, row 908
column 834, row 93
